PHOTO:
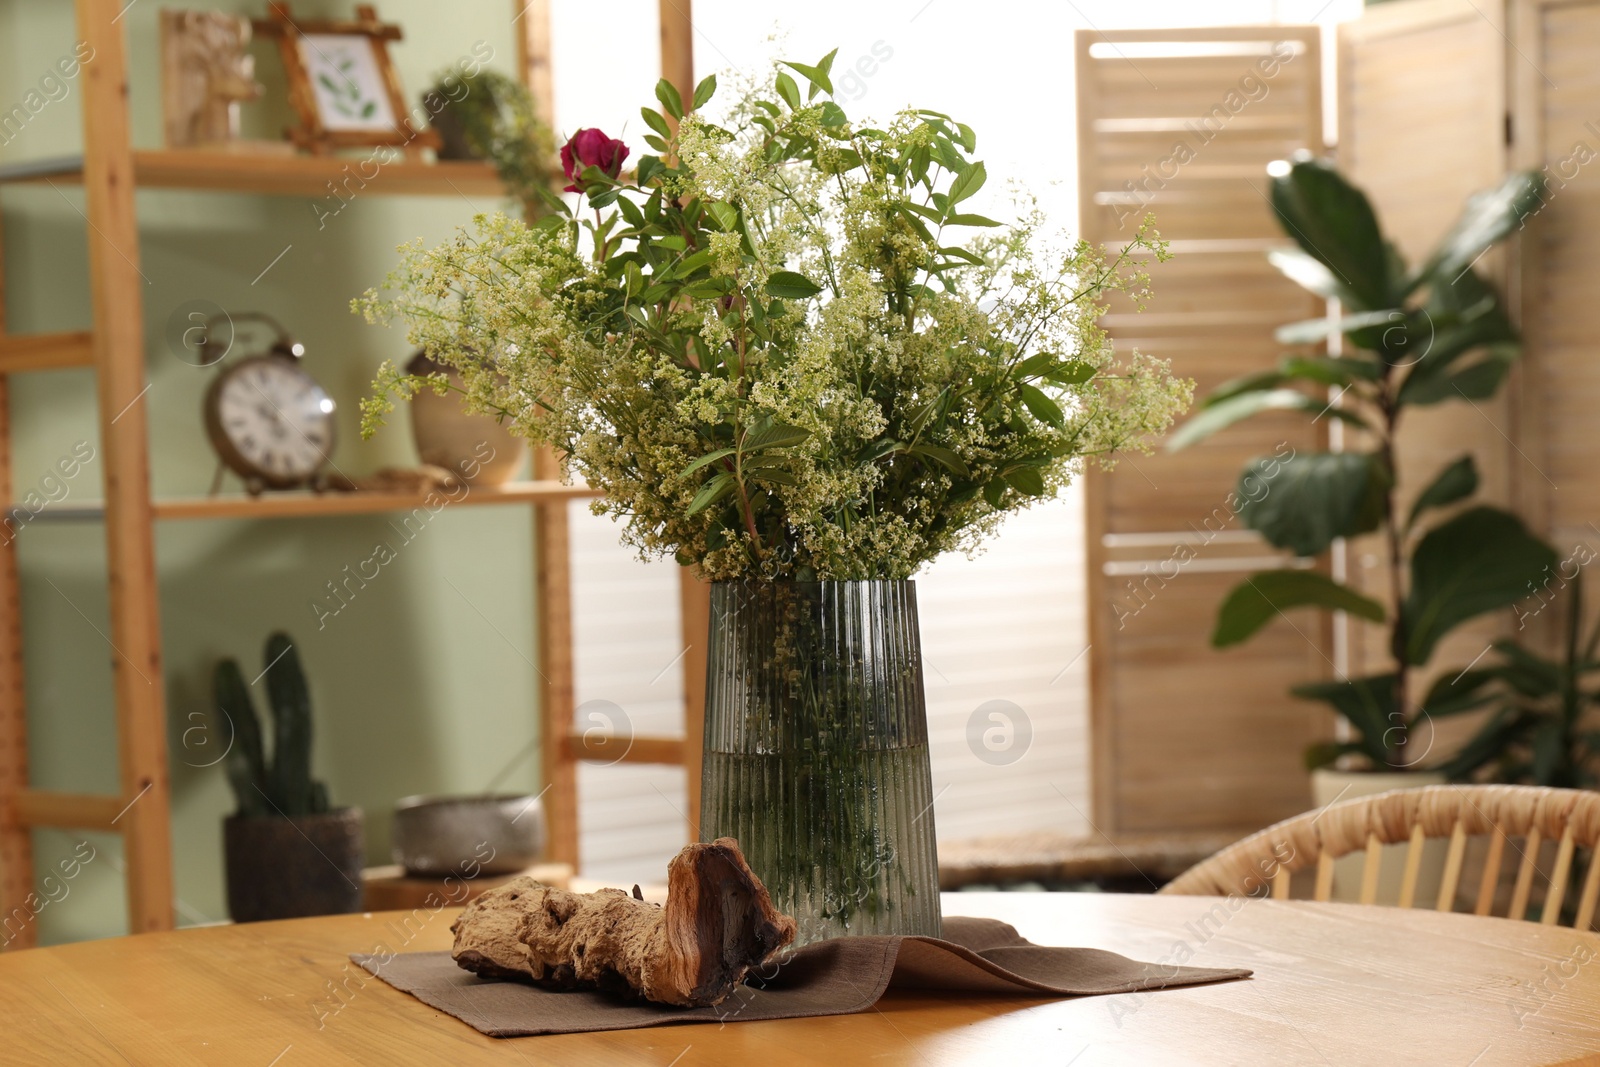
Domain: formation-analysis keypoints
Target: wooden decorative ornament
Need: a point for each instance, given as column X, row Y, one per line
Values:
column 205, row 74
column 717, row 924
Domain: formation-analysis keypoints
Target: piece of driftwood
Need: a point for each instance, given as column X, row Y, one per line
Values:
column 419, row 480
column 717, row 924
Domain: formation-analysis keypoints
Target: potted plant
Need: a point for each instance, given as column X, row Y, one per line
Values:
column 484, row 114
column 1539, row 732
column 287, row 852
column 790, row 354
column 1412, row 338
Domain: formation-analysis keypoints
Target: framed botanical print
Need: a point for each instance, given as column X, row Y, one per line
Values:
column 341, row 83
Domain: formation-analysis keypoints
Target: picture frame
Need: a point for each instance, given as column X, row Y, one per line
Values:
column 342, row 84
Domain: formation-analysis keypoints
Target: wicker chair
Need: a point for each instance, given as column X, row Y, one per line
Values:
column 1500, row 813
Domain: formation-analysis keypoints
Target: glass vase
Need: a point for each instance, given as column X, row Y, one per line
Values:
column 816, row 752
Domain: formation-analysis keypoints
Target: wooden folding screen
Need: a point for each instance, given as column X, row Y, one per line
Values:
column 1182, row 123
column 1422, row 126
column 1554, row 79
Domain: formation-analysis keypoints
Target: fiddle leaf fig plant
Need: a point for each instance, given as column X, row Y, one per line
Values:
column 1412, row 337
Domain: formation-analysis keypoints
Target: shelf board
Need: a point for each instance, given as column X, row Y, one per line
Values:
column 273, row 174
column 297, row 504
column 302, row 504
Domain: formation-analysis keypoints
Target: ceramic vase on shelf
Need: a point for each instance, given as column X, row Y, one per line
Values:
column 472, row 445
column 816, row 752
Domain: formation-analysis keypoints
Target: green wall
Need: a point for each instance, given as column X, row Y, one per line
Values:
column 424, row 682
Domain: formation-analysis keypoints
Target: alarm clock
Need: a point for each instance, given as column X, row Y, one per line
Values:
column 268, row 420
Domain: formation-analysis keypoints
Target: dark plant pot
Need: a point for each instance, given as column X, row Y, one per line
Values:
column 452, row 135
column 286, row 868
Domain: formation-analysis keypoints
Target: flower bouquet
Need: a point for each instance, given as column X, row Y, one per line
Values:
column 792, row 355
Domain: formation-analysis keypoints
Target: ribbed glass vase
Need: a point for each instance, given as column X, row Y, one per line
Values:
column 816, row 752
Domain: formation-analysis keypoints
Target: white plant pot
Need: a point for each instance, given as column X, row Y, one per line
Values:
column 474, row 446
column 1329, row 786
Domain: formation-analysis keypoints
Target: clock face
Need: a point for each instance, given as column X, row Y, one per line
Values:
column 270, row 421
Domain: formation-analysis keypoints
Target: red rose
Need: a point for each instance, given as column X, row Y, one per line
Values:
column 591, row 148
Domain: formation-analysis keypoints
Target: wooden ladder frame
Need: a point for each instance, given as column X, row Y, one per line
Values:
column 115, row 348
column 562, row 747
column 140, row 810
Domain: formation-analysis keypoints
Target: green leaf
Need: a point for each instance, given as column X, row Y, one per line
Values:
column 963, row 255
column 1330, row 370
column 1486, row 220
column 1306, row 271
column 788, row 285
column 1459, row 317
column 1489, row 743
column 1367, row 704
column 942, row 456
column 969, row 140
column 720, row 485
column 709, row 457
column 704, row 92
column 1262, row 597
column 994, row 493
column 1034, row 366
column 727, row 215
column 773, row 476
column 653, row 119
column 1042, row 406
column 1480, row 560
column 1025, row 480
column 967, row 183
column 1304, row 502
column 817, row 75
column 1456, row 692
column 1527, row 673
column 1254, row 382
column 1477, row 381
column 970, row 220
column 1311, row 331
column 631, row 212
column 1333, row 221
column 671, row 102
column 777, row 435
column 1323, row 370
column 1234, row 408
column 833, row 115
column 876, row 450
column 1456, row 482
column 1071, row 372
column 788, row 90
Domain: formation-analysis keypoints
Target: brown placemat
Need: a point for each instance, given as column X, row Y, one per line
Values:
column 837, row 977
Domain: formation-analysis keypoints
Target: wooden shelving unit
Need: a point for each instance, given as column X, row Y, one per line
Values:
column 110, row 171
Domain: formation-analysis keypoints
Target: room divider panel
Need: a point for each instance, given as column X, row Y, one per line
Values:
column 1183, row 123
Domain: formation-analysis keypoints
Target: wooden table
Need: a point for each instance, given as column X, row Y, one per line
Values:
column 1335, row 984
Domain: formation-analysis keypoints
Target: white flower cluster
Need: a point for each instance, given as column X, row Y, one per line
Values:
column 847, row 383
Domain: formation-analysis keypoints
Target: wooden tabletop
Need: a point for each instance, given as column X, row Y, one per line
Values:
column 1335, row 984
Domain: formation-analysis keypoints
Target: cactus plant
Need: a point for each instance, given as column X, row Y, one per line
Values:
column 284, row 787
